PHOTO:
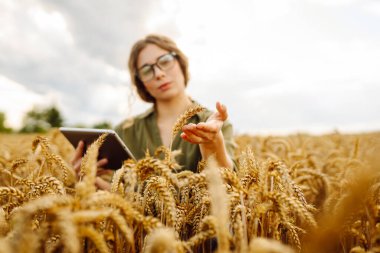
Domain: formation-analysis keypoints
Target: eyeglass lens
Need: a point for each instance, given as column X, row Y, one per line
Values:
column 164, row 62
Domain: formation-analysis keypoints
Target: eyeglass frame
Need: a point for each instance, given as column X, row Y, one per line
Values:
column 155, row 64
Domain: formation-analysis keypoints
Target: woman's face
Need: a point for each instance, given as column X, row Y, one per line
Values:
column 166, row 82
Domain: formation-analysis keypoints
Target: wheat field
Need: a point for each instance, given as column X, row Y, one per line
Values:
column 296, row 193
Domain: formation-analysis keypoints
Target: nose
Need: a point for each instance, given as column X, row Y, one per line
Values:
column 158, row 72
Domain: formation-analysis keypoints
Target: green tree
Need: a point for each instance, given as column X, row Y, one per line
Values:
column 53, row 117
column 41, row 120
column 33, row 122
column 3, row 128
column 103, row 125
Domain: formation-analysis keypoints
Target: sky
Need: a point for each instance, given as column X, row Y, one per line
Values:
column 280, row 66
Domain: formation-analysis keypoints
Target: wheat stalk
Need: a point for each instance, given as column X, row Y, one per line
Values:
column 182, row 120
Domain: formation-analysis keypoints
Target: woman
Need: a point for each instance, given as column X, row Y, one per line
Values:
column 159, row 71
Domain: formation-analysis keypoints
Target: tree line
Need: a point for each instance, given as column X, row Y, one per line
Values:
column 41, row 120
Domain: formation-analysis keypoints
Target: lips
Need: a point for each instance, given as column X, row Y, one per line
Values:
column 164, row 86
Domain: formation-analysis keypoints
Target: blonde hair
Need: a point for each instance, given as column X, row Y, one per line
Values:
column 163, row 42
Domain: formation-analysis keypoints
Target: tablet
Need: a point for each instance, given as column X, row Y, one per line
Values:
column 113, row 148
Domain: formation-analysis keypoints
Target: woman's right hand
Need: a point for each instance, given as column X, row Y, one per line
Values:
column 77, row 159
column 76, row 163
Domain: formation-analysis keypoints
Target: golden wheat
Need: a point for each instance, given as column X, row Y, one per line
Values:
column 312, row 193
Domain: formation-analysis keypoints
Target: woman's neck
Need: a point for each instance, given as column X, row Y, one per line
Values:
column 173, row 108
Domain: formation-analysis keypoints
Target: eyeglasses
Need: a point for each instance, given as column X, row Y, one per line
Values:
column 164, row 62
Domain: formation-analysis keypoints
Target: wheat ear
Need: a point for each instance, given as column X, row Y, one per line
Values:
column 68, row 231
column 96, row 237
column 126, row 208
column 208, row 230
column 261, row 245
column 181, row 121
column 160, row 185
column 219, row 205
column 162, row 240
column 89, row 167
column 4, row 226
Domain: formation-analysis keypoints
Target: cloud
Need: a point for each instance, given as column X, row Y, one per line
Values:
column 16, row 100
column 372, row 7
column 65, row 49
column 103, row 30
column 279, row 65
column 333, row 2
column 286, row 108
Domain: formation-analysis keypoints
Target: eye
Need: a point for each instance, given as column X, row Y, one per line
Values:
column 145, row 71
column 165, row 61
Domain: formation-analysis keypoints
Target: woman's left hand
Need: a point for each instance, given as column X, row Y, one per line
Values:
column 208, row 132
column 210, row 137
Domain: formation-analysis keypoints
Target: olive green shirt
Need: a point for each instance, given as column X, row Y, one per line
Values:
column 141, row 133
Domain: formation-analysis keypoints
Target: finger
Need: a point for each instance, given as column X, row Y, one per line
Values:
column 76, row 165
column 206, row 131
column 222, row 109
column 190, row 130
column 102, row 162
column 198, row 137
column 207, row 127
column 210, row 127
column 101, row 172
column 205, row 134
column 78, row 152
column 76, row 168
column 189, row 127
column 190, row 138
column 102, row 184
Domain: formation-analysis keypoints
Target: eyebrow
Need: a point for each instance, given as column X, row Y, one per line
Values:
column 149, row 64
